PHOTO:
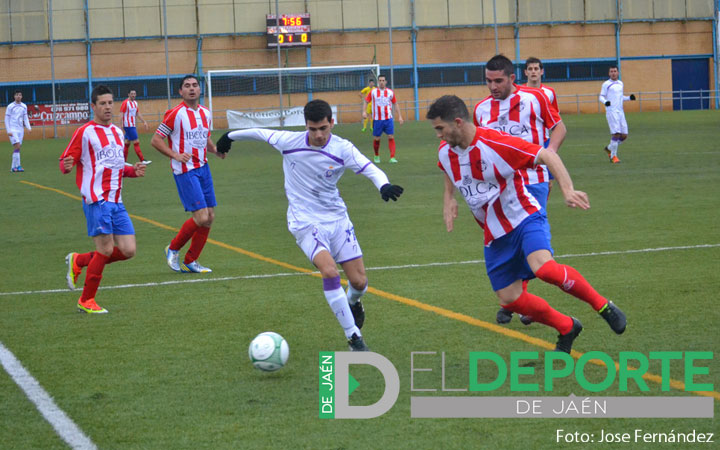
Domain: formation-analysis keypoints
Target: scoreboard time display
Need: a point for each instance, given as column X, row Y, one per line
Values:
column 294, row 30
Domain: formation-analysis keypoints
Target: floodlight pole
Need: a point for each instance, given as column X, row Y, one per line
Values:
column 277, row 44
column 497, row 50
column 167, row 57
column 52, row 66
column 392, row 75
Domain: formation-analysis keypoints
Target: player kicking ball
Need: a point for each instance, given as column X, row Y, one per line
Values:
column 313, row 162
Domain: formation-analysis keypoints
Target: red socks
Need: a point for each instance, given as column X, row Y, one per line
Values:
column 391, row 145
column 376, row 147
column 125, row 149
column 186, row 232
column 94, row 275
column 138, row 152
column 537, row 308
column 570, row 281
column 197, row 244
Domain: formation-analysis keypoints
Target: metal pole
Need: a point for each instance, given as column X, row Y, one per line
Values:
column 167, row 57
column 88, row 47
column 392, row 75
column 280, row 92
column 52, row 67
column 416, row 82
column 618, row 13
column 716, row 52
column 497, row 48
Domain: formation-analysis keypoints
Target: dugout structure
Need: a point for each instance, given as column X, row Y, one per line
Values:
column 275, row 88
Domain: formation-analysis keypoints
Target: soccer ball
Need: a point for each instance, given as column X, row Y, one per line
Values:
column 268, row 351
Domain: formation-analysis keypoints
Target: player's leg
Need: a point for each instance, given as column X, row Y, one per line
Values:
column 138, row 152
column 390, row 131
column 124, row 236
column 349, row 256
column 377, row 132
column 204, row 218
column 538, row 253
column 368, row 116
column 16, row 139
column 126, row 148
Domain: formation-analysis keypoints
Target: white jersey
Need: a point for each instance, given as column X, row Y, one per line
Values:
column 612, row 91
column 16, row 117
column 312, row 173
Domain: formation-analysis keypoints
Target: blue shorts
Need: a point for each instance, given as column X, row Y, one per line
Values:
column 196, row 189
column 506, row 257
column 540, row 191
column 107, row 218
column 131, row 133
column 383, row 126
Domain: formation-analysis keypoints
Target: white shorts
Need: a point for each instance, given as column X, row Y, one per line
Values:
column 337, row 237
column 17, row 136
column 616, row 121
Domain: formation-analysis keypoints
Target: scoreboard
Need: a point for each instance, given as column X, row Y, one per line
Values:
column 294, row 30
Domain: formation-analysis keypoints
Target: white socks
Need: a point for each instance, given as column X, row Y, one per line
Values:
column 353, row 295
column 15, row 159
column 338, row 301
column 613, row 147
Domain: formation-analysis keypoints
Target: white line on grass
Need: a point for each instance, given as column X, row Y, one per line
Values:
column 63, row 425
column 404, row 266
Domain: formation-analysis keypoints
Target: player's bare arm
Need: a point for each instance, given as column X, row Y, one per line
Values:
column 139, row 116
column 399, row 114
column 450, row 206
column 557, row 137
column 160, row 145
column 573, row 198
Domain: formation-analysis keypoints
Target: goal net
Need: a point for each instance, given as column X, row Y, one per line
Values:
column 267, row 94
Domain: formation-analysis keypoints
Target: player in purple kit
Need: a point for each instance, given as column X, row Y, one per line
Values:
column 313, row 162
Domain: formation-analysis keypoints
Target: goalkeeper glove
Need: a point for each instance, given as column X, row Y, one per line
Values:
column 632, row 96
column 390, row 191
column 607, row 103
column 224, row 143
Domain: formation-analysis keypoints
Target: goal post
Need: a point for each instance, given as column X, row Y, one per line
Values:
column 259, row 90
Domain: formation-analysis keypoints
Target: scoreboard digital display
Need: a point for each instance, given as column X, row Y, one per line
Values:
column 294, row 30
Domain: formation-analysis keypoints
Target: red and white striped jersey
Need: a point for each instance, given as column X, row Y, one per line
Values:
column 187, row 131
column 129, row 109
column 98, row 153
column 527, row 114
column 549, row 93
column 488, row 176
column 382, row 103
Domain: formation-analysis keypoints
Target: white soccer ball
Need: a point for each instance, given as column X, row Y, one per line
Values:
column 268, row 351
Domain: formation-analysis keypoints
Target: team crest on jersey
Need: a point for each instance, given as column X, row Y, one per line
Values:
column 466, row 180
column 481, row 164
column 502, row 120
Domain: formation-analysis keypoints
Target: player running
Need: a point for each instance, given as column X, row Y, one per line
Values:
column 526, row 113
column 96, row 148
column 16, row 120
column 313, row 162
column 484, row 164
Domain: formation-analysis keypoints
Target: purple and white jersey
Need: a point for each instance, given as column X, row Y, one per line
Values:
column 312, row 173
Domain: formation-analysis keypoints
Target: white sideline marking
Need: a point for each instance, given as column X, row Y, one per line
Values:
column 405, row 266
column 63, row 425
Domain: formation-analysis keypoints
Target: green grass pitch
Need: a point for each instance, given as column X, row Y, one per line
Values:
column 168, row 367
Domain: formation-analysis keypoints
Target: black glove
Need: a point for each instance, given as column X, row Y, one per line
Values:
column 390, row 191
column 607, row 103
column 224, row 143
column 632, row 96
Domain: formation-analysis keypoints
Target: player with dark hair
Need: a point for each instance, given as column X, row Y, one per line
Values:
column 313, row 162
column 483, row 165
column 130, row 111
column 611, row 95
column 382, row 100
column 534, row 72
column 528, row 114
column 96, row 148
column 16, row 120
column 187, row 127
